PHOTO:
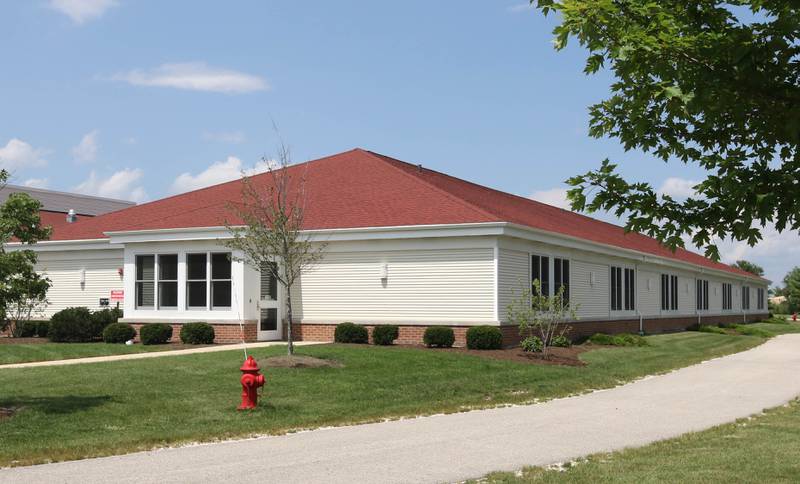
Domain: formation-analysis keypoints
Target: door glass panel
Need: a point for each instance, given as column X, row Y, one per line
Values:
column 269, row 284
column 269, row 319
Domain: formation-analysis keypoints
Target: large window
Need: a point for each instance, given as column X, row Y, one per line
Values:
column 727, row 296
column 701, row 297
column 760, row 298
column 540, row 270
column 623, row 289
column 196, row 281
column 168, row 281
column 220, row 280
column 745, row 297
column 145, row 281
column 561, row 278
column 669, row 292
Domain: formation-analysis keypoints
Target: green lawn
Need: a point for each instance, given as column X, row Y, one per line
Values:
column 22, row 353
column 764, row 448
column 78, row 411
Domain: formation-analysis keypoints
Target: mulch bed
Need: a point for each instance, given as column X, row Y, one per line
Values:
column 298, row 361
column 22, row 341
column 556, row 356
column 6, row 412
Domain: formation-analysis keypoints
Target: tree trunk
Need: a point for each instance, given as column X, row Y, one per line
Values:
column 290, row 346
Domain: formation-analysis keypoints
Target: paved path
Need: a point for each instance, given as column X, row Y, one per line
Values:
column 459, row 446
column 152, row 354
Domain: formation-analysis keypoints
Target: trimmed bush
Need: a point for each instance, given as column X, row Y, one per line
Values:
column 27, row 329
column 72, row 325
column 42, row 328
column 439, row 337
column 561, row 342
column 197, row 334
column 484, row 338
column 624, row 339
column 102, row 318
column 385, row 335
column 351, row 333
column 532, row 344
column 155, row 334
column 118, row 333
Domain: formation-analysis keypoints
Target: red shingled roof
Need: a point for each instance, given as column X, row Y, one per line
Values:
column 359, row 188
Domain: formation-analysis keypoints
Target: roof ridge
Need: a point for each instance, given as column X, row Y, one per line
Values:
column 385, row 159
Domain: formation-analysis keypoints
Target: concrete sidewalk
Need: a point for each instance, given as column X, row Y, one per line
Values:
column 153, row 354
column 460, row 446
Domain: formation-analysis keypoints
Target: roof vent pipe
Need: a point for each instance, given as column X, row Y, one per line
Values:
column 71, row 217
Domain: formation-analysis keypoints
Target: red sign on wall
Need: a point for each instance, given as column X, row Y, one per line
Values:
column 117, row 295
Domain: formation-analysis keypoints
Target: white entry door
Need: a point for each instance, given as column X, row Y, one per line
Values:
column 270, row 323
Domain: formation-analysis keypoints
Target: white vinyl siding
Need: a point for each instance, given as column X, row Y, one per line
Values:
column 513, row 277
column 446, row 285
column 590, row 289
column 649, row 291
column 63, row 269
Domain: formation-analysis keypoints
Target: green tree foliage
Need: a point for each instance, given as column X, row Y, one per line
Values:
column 541, row 316
column 711, row 83
column 791, row 289
column 749, row 267
column 21, row 288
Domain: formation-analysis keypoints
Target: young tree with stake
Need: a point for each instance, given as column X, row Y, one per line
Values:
column 270, row 236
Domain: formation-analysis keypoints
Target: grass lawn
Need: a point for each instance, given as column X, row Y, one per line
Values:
column 23, row 353
column 78, row 411
column 764, row 448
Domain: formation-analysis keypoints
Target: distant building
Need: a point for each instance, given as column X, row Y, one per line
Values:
column 777, row 299
column 56, row 206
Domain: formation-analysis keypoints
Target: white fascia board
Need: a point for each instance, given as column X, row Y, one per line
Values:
column 60, row 245
column 169, row 235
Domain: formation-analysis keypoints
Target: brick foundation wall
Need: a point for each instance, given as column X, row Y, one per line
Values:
column 413, row 334
column 223, row 333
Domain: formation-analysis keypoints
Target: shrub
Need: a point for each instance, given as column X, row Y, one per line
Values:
column 118, row 333
column 711, row 329
column 42, row 328
column 439, row 336
column 484, row 338
column 72, row 325
column 155, row 334
column 385, row 335
column 102, row 318
column 351, row 333
column 197, row 334
column 532, row 344
column 27, row 329
column 561, row 341
column 624, row 339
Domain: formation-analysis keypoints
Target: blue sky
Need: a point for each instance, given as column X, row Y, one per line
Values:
column 142, row 99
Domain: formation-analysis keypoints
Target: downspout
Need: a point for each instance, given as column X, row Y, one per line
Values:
column 638, row 306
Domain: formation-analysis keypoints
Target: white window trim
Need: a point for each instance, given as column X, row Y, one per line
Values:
column 669, row 275
column 624, row 312
column 708, row 299
column 157, row 263
column 551, row 279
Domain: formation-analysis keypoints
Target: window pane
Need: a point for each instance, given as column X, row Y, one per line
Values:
column 145, row 267
column 196, row 266
column 220, row 266
column 269, row 284
column 167, row 294
column 269, row 319
column 545, row 276
column 145, row 294
column 536, row 263
column 168, row 267
column 614, row 289
column 196, row 294
column 221, row 294
column 565, row 280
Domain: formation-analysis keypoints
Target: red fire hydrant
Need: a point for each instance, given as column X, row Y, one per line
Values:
column 794, row 317
column 251, row 382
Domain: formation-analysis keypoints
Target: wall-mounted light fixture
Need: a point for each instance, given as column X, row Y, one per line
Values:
column 592, row 278
column 384, row 271
column 82, row 276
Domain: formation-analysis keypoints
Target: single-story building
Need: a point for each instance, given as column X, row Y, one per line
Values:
column 406, row 245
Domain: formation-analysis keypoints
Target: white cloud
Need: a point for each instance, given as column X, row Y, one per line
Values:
column 233, row 137
column 218, row 172
column 81, row 11
column 194, row 76
column 123, row 184
column 86, row 150
column 678, row 187
column 36, row 182
column 556, row 197
column 19, row 154
column 519, row 7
